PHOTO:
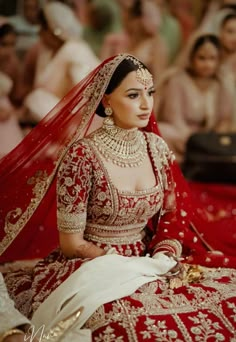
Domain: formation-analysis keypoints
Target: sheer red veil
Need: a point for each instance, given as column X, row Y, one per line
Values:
column 28, row 227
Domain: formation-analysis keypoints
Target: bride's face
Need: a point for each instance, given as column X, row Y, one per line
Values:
column 131, row 102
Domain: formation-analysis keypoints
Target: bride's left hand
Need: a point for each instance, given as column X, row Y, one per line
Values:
column 177, row 271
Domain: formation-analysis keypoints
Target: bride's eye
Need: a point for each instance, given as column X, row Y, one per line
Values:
column 151, row 92
column 133, row 96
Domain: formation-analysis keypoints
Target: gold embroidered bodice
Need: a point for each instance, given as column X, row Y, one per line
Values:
column 89, row 201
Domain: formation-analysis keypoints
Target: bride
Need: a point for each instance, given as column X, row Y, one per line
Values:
column 99, row 172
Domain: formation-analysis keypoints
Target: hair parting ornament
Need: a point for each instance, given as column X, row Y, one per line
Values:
column 142, row 74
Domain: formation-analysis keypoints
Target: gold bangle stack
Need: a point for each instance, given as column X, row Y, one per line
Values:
column 11, row 332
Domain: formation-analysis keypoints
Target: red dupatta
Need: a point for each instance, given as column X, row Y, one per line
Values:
column 28, row 179
column 27, row 174
column 191, row 225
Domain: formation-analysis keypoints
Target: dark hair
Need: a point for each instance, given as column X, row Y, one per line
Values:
column 122, row 70
column 6, row 29
column 201, row 40
column 102, row 15
column 229, row 6
column 136, row 9
column 42, row 19
column 227, row 18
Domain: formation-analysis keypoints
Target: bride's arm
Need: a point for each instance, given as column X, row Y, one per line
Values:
column 74, row 183
column 74, row 246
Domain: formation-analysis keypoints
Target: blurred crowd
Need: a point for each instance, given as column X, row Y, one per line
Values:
column 46, row 47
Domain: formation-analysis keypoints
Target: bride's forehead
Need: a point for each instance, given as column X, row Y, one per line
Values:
column 140, row 78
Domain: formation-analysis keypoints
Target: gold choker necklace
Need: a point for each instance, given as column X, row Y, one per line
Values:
column 123, row 147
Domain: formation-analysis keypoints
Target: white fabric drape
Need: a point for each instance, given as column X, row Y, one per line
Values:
column 97, row 282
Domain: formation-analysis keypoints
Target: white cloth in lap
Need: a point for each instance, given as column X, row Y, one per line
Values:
column 97, row 282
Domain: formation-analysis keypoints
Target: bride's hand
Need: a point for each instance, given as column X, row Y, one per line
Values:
column 175, row 275
column 178, row 270
column 175, row 272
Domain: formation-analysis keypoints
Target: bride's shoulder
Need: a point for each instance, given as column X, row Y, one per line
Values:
column 155, row 139
column 157, row 145
column 80, row 148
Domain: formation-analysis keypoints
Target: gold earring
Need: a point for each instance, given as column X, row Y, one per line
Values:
column 108, row 111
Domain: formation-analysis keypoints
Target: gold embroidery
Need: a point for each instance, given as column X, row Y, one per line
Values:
column 114, row 229
column 71, row 223
column 115, row 212
column 63, row 327
column 157, row 313
column 16, row 218
column 114, row 240
column 73, row 186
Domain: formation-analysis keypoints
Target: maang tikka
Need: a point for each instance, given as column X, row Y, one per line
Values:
column 144, row 77
column 142, row 74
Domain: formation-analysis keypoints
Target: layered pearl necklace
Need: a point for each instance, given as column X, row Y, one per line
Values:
column 123, row 147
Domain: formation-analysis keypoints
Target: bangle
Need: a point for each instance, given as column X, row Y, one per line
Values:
column 11, row 332
column 173, row 246
column 111, row 250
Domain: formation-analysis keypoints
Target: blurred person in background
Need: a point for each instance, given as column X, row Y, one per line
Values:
column 227, row 35
column 182, row 10
column 26, row 24
column 57, row 62
column 170, row 30
column 140, row 37
column 199, row 93
column 223, row 24
column 10, row 96
column 100, row 17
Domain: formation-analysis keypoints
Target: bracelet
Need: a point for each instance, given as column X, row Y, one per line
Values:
column 173, row 246
column 11, row 332
column 111, row 250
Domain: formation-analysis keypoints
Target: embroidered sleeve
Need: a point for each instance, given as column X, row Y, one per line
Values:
column 73, row 187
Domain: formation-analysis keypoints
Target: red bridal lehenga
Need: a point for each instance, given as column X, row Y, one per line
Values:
column 135, row 224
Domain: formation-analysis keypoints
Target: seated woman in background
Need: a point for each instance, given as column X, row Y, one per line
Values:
column 141, row 37
column 10, row 97
column 99, row 18
column 227, row 36
column 194, row 96
column 182, row 10
column 98, row 171
column 224, row 26
column 60, row 48
column 26, row 23
column 10, row 64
